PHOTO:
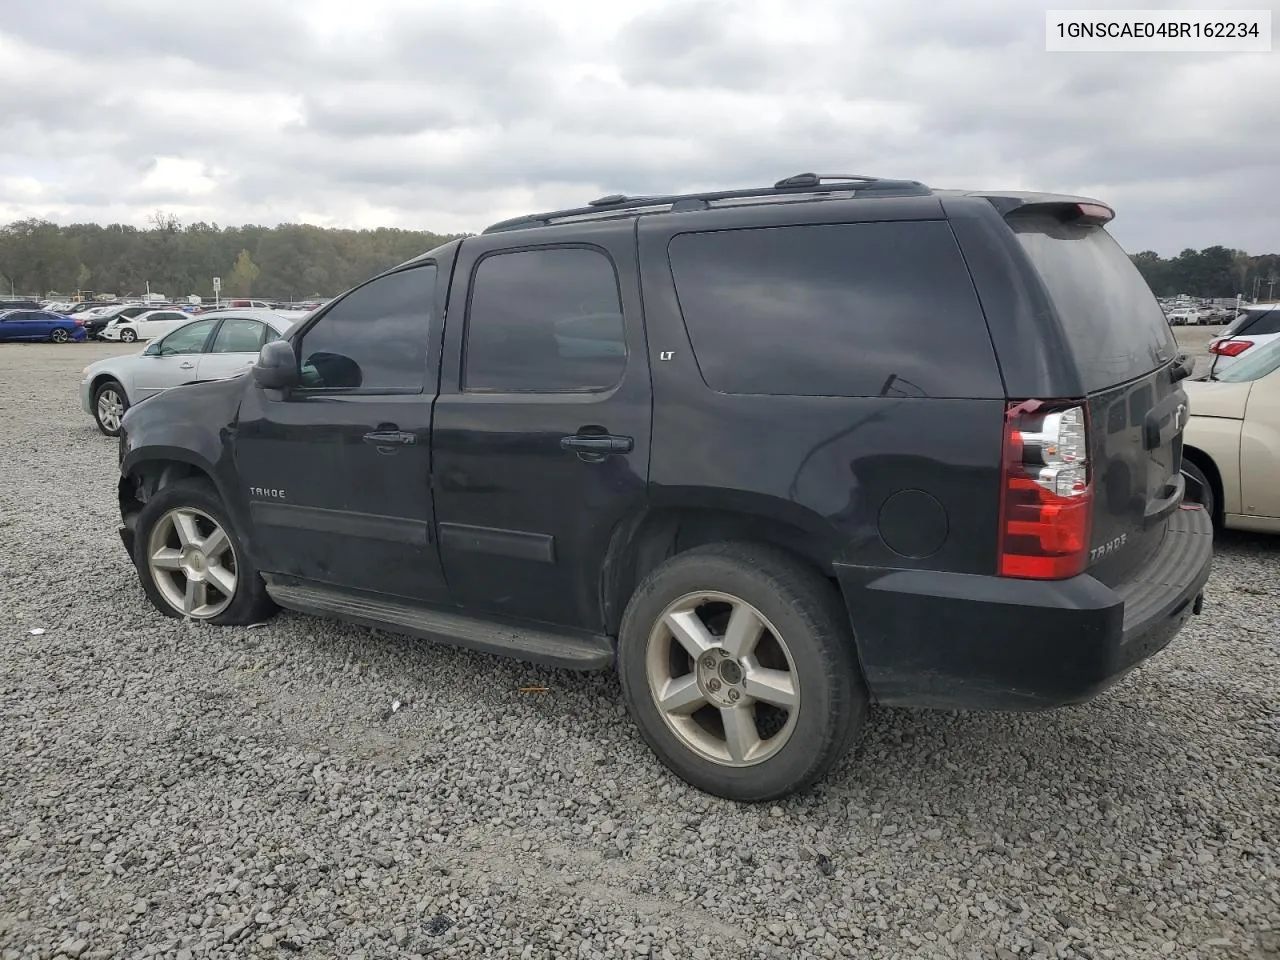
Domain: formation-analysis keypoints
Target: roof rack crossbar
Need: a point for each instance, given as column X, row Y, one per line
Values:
column 619, row 204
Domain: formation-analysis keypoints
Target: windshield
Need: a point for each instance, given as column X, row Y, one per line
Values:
column 1112, row 320
column 1254, row 365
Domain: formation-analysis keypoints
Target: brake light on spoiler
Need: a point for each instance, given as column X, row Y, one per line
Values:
column 1046, row 498
column 1230, row 348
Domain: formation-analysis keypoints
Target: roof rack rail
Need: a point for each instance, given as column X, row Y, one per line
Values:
column 803, row 185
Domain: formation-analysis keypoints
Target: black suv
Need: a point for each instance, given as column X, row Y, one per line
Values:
column 775, row 453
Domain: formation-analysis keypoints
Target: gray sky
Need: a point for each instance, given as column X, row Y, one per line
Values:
column 448, row 116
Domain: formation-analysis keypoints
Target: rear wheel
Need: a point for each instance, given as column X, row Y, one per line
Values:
column 128, row 335
column 737, row 665
column 58, row 335
column 1206, row 496
column 191, row 562
column 109, row 404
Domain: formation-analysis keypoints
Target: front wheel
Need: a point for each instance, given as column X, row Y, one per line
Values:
column 191, row 562
column 737, row 664
column 128, row 336
column 109, row 404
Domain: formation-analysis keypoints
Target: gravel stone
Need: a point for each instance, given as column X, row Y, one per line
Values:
column 172, row 785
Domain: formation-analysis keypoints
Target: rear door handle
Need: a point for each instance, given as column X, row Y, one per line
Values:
column 597, row 444
column 387, row 438
column 596, row 447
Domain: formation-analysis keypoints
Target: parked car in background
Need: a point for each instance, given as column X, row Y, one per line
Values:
column 147, row 325
column 697, row 439
column 97, row 321
column 211, row 347
column 39, row 325
column 1256, row 324
column 1232, row 442
column 19, row 305
column 1186, row 317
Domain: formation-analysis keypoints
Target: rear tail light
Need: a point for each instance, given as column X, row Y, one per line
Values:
column 1230, row 348
column 79, row 323
column 1046, row 503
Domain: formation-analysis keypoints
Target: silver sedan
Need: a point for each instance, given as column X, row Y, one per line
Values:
column 213, row 347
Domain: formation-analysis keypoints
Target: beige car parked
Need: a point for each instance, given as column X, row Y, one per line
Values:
column 1232, row 442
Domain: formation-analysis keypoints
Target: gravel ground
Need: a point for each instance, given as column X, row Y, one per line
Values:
column 183, row 791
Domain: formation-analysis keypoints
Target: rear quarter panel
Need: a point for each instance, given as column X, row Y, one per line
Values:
column 1260, row 449
column 1219, row 439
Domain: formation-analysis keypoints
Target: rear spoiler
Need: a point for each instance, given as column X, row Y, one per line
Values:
column 1062, row 210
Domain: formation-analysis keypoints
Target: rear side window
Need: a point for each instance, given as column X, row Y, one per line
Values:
column 1112, row 321
column 848, row 310
column 545, row 321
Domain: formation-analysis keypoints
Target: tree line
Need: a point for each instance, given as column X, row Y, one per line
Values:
column 301, row 262
column 288, row 262
column 1211, row 272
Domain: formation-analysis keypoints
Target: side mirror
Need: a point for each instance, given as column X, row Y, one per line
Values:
column 153, row 349
column 277, row 366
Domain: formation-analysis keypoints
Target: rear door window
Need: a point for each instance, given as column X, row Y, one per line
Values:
column 845, row 310
column 1112, row 321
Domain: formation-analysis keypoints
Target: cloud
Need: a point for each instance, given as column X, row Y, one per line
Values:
column 420, row 113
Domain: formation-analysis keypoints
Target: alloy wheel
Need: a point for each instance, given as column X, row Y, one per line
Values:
column 723, row 679
column 192, row 562
column 58, row 335
column 110, row 409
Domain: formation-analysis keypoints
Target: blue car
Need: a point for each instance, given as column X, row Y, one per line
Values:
column 39, row 325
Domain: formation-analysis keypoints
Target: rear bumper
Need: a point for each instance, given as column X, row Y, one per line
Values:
column 966, row 642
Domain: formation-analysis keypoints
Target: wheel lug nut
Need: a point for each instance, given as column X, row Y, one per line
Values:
column 713, row 684
column 734, row 695
column 709, row 661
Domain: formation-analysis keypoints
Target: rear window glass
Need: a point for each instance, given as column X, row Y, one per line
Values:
column 1255, row 323
column 1113, row 323
column 846, row 310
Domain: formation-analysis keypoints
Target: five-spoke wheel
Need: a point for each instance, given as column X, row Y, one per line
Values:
column 190, row 560
column 192, row 563
column 723, row 677
column 737, row 664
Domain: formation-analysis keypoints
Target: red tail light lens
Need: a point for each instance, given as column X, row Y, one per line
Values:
column 79, row 323
column 1230, row 348
column 1046, row 506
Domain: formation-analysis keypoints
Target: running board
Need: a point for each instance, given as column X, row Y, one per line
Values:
column 553, row 649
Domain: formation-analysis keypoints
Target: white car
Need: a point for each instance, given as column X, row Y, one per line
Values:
column 145, row 326
column 214, row 346
column 1254, row 325
column 1231, row 446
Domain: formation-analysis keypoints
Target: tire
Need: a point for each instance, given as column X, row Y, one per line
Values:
column 58, row 335
column 108, row 414
column 805, row 633
column 1208, row 499
column 128, row 335
column 158, row 528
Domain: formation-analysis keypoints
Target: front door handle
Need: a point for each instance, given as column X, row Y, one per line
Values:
column 389, row 438
column 595, row 447
column 186, row 365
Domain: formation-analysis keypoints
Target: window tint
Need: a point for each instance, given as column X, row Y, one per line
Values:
column 375, row 338
column 545, row 321
column 1111, row 319
column 862, row 309
column 1266, row 322
column 238, row 335
column 189, row 339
